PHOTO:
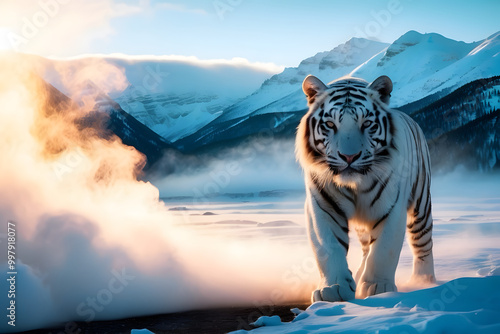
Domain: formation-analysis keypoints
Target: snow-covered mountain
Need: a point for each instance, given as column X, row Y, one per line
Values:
column 174, row 96
column 106, row 119
column 419, row 65
column 423, row 64
column 189, row 101
column 200, row 104
column 325, row 65
column 282, row 93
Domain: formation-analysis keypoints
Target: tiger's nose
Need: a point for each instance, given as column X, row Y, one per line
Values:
column 350, row 158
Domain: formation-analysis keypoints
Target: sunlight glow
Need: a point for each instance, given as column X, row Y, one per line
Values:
column 4, row 41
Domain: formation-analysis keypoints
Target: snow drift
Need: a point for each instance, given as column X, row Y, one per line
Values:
column 465, row 305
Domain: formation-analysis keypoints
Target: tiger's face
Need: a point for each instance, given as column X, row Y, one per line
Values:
column 348, row 130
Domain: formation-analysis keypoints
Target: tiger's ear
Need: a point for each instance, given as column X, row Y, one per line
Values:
column 383, row 85
column 311, row 87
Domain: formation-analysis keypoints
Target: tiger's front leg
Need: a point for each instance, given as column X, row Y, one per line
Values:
column 328, row 234
column 378, row 274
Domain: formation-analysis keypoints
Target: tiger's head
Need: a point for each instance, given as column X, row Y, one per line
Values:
column 347, row 132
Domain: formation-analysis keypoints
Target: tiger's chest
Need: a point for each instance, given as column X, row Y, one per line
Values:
column 368, row 205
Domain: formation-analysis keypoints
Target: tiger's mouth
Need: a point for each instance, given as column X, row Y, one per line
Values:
column 348, row 170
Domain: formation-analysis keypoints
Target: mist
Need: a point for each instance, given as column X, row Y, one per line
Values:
column 466, row 204
column 93, row 242
column 259, row 164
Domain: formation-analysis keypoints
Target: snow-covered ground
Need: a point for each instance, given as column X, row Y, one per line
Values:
column 465, row 305
column 467, row 261
column 251, row 249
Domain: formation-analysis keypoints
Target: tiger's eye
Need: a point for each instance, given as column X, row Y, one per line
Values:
column 367, row 124
column 330, row 124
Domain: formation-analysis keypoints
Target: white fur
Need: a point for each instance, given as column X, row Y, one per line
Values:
column 326, row 226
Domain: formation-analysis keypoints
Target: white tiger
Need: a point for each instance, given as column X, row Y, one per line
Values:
column 366, row 167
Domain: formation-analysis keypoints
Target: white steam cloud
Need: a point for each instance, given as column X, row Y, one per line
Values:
column 94, row 243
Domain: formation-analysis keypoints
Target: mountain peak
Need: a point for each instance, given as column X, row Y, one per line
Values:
column 352, row 52
column 413, row 37
column 427, row 48
column 360, row 42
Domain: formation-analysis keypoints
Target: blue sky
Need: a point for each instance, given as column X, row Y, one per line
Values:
column 279, row 32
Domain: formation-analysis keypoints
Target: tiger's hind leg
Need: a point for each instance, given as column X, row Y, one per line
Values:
column 419, row 229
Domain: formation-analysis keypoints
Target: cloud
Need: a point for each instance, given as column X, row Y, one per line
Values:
column 268, row 67
column 59, row 27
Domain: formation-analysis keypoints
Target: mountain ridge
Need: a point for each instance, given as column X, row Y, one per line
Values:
column 443, row 120
column 425, row 68
column 419, row 65
column 173, row 97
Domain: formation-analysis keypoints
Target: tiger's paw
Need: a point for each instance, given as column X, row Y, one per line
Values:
column 366, row 289
column 425, row 278
column 333, row 293
column 422, row 280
